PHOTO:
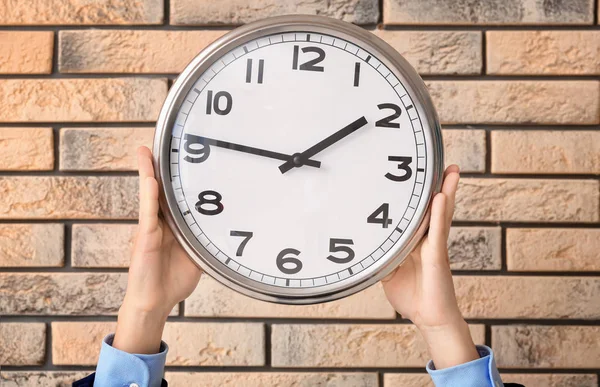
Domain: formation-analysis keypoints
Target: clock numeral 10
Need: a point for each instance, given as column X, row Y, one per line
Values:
column 216, row 102
column 384, row 220
column 310, row 65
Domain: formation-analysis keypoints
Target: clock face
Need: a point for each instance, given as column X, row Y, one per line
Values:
column 298, row 162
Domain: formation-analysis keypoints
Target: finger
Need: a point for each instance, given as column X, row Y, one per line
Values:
column 145, row 166
column 437, row 235
column 148, row 214
column 449, row 188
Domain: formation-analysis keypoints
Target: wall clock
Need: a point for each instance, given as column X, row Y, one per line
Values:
column 297, row 157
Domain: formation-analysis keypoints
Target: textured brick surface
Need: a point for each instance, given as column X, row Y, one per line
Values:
column 552, row 249
column 279, row 379
column 437, row 52
column 46, row 197
column 466, row 148
column 31, row 245
column 545, row 151
column 215, row 300
column 26, row 52
column 190, row 344
column 522, row 346
column 26, row 149
column 512, row 102
column 407, row 380
column 81, row 100
column 126, row 51
column 351, row 345
column 540, row 380
column 206, row 12
column 22, row 343
column 102, row 149
column 488, row 12
column 81, row 12
column 475, row 248
column 40, row 378
column 543, row 52
column 102, row 245
column 527, row 200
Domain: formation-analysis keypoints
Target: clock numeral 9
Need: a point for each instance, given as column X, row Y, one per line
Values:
column 384, row 220
column 310, row 65
column 289, row 261
column 334, row 247
column 201, row 153
column 404, row 165
column 387, row 121
column 247, row 235
column 215, row 102
column 210, row 199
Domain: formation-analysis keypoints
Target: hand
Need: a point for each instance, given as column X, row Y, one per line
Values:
column 160, row 272
column 422, row 290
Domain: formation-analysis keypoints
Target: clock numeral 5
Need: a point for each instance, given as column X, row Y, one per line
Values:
column 246, row 235
column 384, row 220
column 387, row 121
column 310, row 65
column 201, row 153
column 404, row 165
column 334, row 247
column 210, row 199
column 215, row 102
column 283, row 260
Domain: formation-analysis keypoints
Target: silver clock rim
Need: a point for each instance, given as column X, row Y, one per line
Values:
column 280, row 24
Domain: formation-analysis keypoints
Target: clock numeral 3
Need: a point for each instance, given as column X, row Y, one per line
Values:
column 201, row 153
column 246, row 235
column 384, row 220
column 387, row 121
column 210, row 199
column 404, row 165
column 334, row 247
column 215, row 102
column 283, row 260
column 261, row 67
column 310, row 65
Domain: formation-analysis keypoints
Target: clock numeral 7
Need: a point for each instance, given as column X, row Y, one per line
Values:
column 384, row 220
column 293, row 261
column 336, row 245
column 200, row 153
column 310, row 65
column 210, row 199
column 246, row 235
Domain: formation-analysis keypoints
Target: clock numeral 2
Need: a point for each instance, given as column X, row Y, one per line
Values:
column 387, row 121
column 334, row 247
column 210, row 199
column 261, row 66
column 404, row 165
column 384, row 220
column 283, row 260
column 215, row 103
column 310, row 65
column 201, row 153
column 246, row 235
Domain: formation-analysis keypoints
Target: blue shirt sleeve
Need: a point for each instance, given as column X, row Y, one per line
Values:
column 477, row 373
column 121, row 369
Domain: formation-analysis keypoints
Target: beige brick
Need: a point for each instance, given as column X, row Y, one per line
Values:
column 102, row 245
column 475, row 248
column 231, row 12
column 22, row 343
column 543, row 52
column 528, row 297
column 190, row 344
column 31, row 245
column 561, row 249
column 438, row 52
column 61, row 293
column 545, row 151
column 81, row 197
column 26, row 149
column 527, row 200
column 64, row 12
column 512, row 102
column 528, row 346
column 40, row 378
column 407, row 380
column 102, row 149
column 488, row 12
column 536, row 380
column 26, row 52
column 351, row 345
column 466, row 148
column 81, row 100
column 128, row 51
column 263, row 379
column 212, row 299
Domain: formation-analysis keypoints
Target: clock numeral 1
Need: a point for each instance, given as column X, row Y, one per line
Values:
column 246, row 235
column 404, row 165
column 356, row 74
column 200, row 153
column 261, row 66
column 210, row 199
column 387, row 121
column 310, row 65
column 335, row 246
column 384, row 220
column 215, row 103
column 283, row 260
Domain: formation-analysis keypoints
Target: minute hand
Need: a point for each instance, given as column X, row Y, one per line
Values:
column 298, row 160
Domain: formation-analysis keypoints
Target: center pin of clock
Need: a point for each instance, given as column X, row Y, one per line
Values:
column 297, row 159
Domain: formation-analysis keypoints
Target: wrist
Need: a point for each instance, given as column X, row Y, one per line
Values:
column 139, row 330
column 449, row 345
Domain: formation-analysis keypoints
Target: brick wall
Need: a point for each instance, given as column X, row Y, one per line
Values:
column 82, row 82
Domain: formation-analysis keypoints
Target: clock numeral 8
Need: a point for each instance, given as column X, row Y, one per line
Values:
column 211, row 199
column 283, row 260
column 201, row 153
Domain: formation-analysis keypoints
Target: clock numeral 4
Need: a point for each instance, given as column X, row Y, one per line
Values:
column 404, row 165
column 384, row 220
column 310, row 65
column 200, row 154
column 386, row 122
column 284, row 263
column 210, row 199
column 261, row 67
column 246, row 235
column 336, row 245
column 215, row 102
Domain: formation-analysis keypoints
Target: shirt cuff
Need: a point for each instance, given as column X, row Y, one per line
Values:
column 476, row 373
column 119, row 368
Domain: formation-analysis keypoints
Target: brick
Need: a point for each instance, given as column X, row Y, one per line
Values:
column 351, row 345
column 66, row 12
column 26, row 149
column 211, row 299
column 407, row 380
column 525, row 346
column 466, row 148
column 127, row 51
column 61, row 293
column 31, row 245
column 528, row 297
column 102, row 245
column 467, row 12
column 233, row 12
column 22, row 343
column 40, row 378
column 438, row 52
column 538, row 380
column 190, row 344
column 475, row 248
column 561, row 249
column 262, row 379
column 102, row 149
column 543, row 52
column 81, row 100
column 26, row 52
column 527, row 200
column 517, row 102
column 545, row 151
column 77, row 197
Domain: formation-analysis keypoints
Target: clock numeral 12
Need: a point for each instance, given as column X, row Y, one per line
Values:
column 310, row 65
column 246, row 235
column 215, row 103
column 384, row 220
column 213, row 200
column 261, row 67
column 283, row 260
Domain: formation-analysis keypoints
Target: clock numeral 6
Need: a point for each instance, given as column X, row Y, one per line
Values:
column 210, row 199
column 384, row 220
column 201, row 153
column 334, row 247
column 246, row 235
column 404, row 165
column 216, row 102
column 387, row 121
column 289, row 261
column 310, row 65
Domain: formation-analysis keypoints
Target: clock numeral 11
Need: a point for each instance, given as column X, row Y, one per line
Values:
column 261, row 67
